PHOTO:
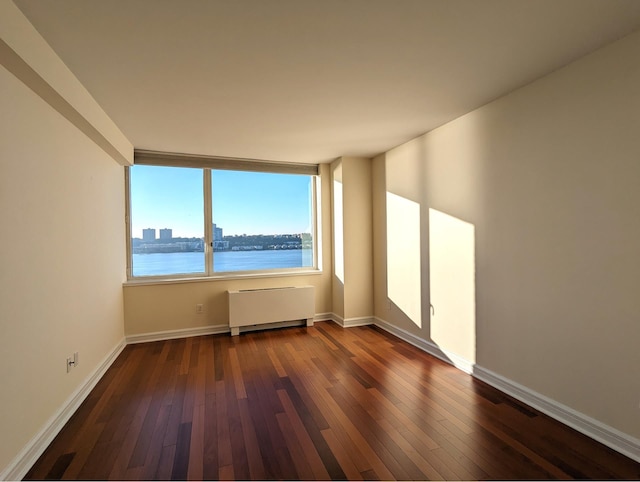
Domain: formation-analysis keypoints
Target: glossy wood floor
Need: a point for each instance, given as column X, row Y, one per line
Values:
column 310, row 403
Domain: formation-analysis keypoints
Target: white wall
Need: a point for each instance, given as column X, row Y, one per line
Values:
column 539, row 192
column 62, row 232
column 352, row 282
column 61, row 215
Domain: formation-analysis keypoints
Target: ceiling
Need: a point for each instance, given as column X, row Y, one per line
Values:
column 311, row 80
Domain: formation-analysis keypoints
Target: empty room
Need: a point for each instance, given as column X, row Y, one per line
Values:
column 319, row 239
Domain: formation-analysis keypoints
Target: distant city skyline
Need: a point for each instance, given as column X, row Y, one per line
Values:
column 243, row 202
column 255, row 242
column 149, row 234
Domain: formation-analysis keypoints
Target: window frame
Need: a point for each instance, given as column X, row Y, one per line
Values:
column 207, row 164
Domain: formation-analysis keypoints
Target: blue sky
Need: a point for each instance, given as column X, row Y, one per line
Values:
column 243, row 202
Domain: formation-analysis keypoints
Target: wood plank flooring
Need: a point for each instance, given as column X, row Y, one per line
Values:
column 313, row 403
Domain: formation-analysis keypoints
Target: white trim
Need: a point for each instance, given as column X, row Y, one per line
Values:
column 201, row 331
column 337, row 319
column 173, row 334
column 229, row 276
column 316, row 199
column 323, row 317
column 427, row 346
column 358, row 321
column 203, row 161
column 609, row 436
column 346, row 322
column 30, row 453
column 207, row 214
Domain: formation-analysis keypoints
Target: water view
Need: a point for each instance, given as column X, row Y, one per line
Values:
column 158, row 264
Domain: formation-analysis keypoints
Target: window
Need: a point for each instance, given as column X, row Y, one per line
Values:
column 261, row 220
column 207, row 219
column 167, row 212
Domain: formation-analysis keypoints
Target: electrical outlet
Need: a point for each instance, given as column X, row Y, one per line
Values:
column 72, row 361
column 199, row 308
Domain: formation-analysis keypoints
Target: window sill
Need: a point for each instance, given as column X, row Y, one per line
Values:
column 145, row 281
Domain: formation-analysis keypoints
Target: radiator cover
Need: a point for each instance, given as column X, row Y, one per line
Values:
column 270, row 305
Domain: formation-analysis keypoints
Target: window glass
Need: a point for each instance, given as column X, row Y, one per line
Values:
column 167, row 221
column 261, row 221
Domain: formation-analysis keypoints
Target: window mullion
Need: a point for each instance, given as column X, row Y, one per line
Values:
column 316, row 225
column 127, row 219
column 208, row 223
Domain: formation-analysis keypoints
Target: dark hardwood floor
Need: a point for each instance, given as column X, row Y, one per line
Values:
column 310, row 403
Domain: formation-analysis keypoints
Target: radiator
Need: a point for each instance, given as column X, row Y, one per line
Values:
column 271, row 305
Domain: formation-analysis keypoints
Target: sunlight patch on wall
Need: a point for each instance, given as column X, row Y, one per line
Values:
column 338, row 232
column 452, row 284
column 403, row 256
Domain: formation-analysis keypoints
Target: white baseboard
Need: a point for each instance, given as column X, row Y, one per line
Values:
column 323, row 317
column 427, row 346
column 210, row 330
column 205, row 330
column 337, row 319
column 609, row 436
column 350, row 322
column 173, row 334
column 28, row 456
column 359, row 321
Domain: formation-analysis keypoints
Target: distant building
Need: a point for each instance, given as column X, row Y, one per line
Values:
column 217, row 233
column 166, row 233
column 149, row 234
column 218, row 243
